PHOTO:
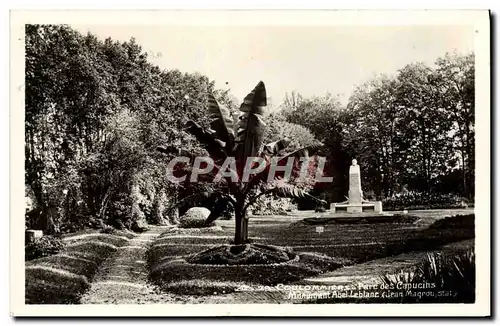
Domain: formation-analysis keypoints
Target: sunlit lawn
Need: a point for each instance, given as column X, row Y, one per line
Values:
column 344, row 243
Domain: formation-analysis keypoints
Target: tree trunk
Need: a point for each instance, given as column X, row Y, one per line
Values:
column 464, row 175
column 241, row 230
column 104, row 204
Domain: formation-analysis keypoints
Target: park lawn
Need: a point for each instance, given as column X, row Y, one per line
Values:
column 64, row 277
column 339, row 245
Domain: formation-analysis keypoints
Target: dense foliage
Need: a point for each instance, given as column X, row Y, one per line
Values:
column 43, row 247
column 95, row 112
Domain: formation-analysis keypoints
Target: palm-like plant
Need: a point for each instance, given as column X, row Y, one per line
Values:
column 242, row 139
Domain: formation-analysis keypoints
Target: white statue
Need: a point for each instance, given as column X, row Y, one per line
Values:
column 354, row 169
column 355, row 193
column 355, row 201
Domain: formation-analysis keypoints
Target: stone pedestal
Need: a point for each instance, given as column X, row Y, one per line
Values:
column 355, row 202
column 355, row 192
column 354, row 209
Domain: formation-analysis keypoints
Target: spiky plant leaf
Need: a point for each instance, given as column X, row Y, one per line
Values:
column 263, row 176
column 251, row 126
column 292, row 191
column 211, row 144
column 276, row 147
column 221, row 121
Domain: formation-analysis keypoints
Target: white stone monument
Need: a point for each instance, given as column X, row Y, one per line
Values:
column 355, row 192
column 355, row 202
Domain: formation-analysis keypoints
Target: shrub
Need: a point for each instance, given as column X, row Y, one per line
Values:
column 248, row 254
column 108, row 229
column 452, row 279
column 423, row 200
column 43, row 247
column 195, row 218
column 228, row 213
column 273, row 206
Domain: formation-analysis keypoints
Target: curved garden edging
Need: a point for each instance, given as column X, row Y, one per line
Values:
column 64, row 277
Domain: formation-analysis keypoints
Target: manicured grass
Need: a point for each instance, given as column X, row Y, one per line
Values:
column 338, row 245
column 362, row 242
column 62, row 278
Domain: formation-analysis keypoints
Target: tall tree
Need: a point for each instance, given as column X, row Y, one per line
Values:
column 323, row 116
column 77, row 88
column 373, row 134
column 454, row 79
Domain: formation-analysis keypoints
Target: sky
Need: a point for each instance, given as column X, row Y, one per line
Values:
column 311, row 60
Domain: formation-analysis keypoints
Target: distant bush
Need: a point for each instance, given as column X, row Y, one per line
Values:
column 421, row 200
column 273, row 206
column 43, row 247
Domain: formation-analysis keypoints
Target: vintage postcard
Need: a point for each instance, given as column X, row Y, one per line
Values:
column 250, row 163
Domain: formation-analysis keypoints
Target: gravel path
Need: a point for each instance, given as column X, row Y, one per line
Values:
column 122, row 279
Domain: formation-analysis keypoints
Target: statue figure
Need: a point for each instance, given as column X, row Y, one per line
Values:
column 354, row 167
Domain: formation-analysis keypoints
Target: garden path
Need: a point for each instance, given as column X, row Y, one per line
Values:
column 123, row 278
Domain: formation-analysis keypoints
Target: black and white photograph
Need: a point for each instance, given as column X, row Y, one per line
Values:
column 225, row 159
